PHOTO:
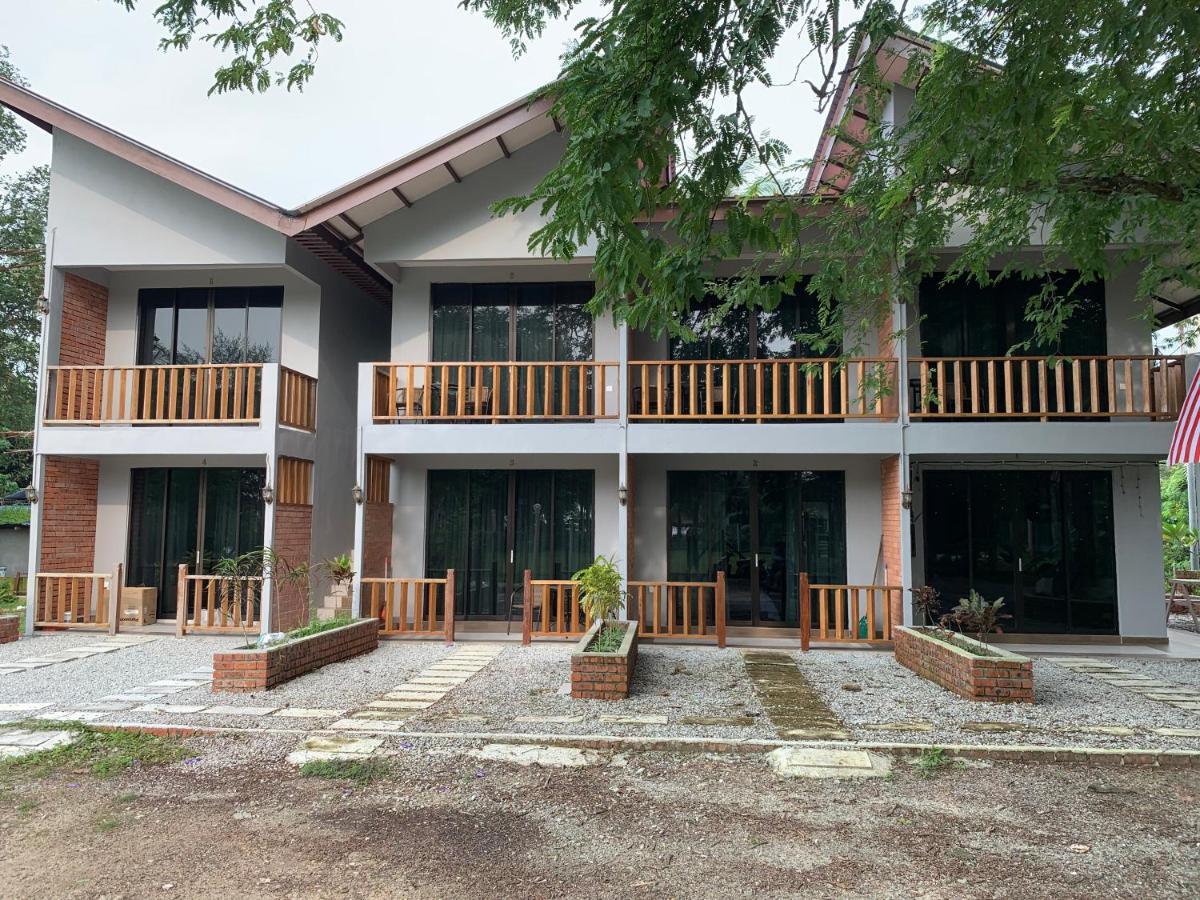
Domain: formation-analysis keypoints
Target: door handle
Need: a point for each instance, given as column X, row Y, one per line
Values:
column 512, row 555
column 1020, row 564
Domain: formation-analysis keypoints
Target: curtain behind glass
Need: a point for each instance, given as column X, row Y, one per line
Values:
column 823, row 518
column 574, row 521
column 533, row 532
column 147, row 508
column 446, row 529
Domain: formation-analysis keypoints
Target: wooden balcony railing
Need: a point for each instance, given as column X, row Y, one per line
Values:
column 551, row 609
column 763, row 389
column 500, row 391
column 217, row 604
column 1015, row 387
column 693, row 610
column 75, row 599
column 162, row 395
column 411, row 607
column 297, row 400
column 850, row 613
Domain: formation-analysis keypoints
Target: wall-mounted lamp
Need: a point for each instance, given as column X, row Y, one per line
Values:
column 906, row 499
column 31, row 494
column 357, row 493
column 268, row 494
column 623, row 495
column 43, row 306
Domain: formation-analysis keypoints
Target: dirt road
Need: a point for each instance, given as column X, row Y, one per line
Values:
column 235, row 821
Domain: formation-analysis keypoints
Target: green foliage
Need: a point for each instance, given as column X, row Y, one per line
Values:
column 340, row 568
column 1088, row 131
column 608, row 639
column 931, row 761
column 927, row 601
column 102, row 753
column 361, row 772
column 247, row 572
column 975, row 615
column 255, row 35
column 14, row 515
column 1177, row 537
column 600, row 588
column 316, row 627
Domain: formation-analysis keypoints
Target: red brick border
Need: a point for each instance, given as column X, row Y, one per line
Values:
column 9, row 629
column 1002, row 677
column 604, row 676
column 243, row 671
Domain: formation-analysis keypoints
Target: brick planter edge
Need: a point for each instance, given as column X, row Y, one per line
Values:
column 604, row 676
column 244, row 670
column 10, row 629
column 1002, row 677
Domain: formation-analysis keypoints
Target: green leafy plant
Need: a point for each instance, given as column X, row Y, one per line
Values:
column 244, row 575
column 976, row 616
column 600, row 590
column 931, row 761
column 361, row 772
column 340, row 568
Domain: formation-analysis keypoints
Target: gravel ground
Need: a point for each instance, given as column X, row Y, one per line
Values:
column 677, row 682
column 1181, row 621
column 340, row 686
column 891, row 693
column 45, row 642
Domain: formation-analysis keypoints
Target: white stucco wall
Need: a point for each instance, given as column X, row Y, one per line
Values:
column 107, row 212
column 456, row 222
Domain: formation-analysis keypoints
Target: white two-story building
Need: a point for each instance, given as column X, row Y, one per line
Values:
column 389, row 369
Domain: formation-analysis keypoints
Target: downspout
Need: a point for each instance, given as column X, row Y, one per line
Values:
column 906, row 549
column 38, row 467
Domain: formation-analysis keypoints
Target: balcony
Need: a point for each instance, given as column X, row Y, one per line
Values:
column 1092, row 388
column 202, row 395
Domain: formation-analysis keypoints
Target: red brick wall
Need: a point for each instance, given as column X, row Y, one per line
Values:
column 68, row 515
column 293, row 542
column 602, row 676
column 994, row 678
column 9, row 629
column 889, row 488
column 377, row 541
column 243, row 671
column 84, row 322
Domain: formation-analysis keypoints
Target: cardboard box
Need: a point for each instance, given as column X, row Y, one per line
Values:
column 139, row 605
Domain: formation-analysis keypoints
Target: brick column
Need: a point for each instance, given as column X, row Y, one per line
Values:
column 84, row 322
column 377, row 539
column 292, row 543
column 889, row 490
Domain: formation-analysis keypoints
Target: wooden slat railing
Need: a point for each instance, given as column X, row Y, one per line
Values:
column 693, row 610
column 217, row 604
column 763, row 389
column 127, row 395
column 551, row 609
column 411, row 607
column 75, row 599
column 849, row 613
column 498, row 391
column 1022, row 387
column 297, row 400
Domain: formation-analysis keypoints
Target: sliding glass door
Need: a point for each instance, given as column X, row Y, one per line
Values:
column 1040, row 539
column 492, row 525
column 761, row 529
column 190, row 326
column 192, row 517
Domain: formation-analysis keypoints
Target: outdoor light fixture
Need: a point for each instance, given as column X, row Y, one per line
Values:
column 906, row 499
column 43, row 306
column 31, row 494
column 357, row 493
column 622, row 494
column 268, row 494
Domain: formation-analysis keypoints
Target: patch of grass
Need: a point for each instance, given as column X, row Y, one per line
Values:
column 25, row 807
column 361, row 772
column 309, row 630
column 607, row 640
column 931, row 760
column 107, row 824
column 126, row 798
column 100, row 753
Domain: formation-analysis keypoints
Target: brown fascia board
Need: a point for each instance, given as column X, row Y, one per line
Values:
column 50, row 116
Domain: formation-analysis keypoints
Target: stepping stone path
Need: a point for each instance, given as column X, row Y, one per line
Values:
column 822, row 762
column 1150, row 688
column 423, row 690
column 795, row 709
column 106, row 644
column 19, row 742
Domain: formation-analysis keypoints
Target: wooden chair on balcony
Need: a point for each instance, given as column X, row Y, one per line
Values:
column 402, row 401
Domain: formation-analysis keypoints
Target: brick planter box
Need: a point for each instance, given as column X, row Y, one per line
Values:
column 1001, row 677
column 244, row 670
column 9, row 629
column 604, row 676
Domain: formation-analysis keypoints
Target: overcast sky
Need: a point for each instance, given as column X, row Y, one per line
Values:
column 406, row 73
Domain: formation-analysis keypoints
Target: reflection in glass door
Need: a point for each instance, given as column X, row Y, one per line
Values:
column 761, row 529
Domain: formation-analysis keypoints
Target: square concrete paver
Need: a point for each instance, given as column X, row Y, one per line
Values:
column 240, row 710
column 295, row 713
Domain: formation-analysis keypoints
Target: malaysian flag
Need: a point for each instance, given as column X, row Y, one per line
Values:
column 1185, row 444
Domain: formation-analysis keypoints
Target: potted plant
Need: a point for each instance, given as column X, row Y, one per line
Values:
column 968, row 666
column 603, row 661
column 340, row 571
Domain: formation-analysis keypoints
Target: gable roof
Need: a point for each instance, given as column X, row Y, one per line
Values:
column 330, row 226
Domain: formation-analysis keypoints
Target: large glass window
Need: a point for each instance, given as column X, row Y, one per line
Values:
column 761, row 529
column 191, row 326
column 752, row 334
column 512, row 322
column 491, row 525
column 1042, row 540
